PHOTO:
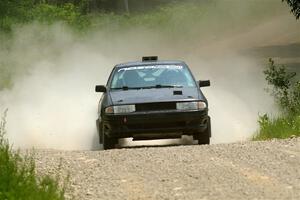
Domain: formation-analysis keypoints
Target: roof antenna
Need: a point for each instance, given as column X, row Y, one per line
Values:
column 150, row 58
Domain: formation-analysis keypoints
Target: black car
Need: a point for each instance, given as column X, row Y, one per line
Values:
column 152, row 99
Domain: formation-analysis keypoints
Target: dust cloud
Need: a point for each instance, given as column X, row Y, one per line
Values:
column 52, row 103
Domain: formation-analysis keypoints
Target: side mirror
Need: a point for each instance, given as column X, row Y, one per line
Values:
column 205, row 83
column 100, row 88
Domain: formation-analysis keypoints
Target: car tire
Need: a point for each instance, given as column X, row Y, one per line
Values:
column 204, row 137
column 108, row 142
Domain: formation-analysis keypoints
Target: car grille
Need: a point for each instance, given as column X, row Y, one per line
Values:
column 156, row 106
column 157, row 125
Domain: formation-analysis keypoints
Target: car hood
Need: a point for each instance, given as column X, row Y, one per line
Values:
column 154, row 95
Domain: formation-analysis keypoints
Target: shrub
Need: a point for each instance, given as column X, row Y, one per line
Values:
column 286, row 91
column 18, row 179
column 284, row 88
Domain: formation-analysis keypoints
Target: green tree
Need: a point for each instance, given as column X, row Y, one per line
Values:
column 68, row 13
column 295, row 7
column 19, row 12
column 14, row 11
column 286, row 89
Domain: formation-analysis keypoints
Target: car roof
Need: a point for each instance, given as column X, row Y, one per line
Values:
column 159, row 62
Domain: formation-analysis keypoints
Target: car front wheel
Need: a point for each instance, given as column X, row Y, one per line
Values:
column 204, row 137
column 108, row 142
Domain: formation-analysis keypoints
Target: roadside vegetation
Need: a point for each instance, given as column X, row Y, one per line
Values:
column 285, row 88
column 180, row 21
column 18, row 178
column 13, row 13
column 83, row 14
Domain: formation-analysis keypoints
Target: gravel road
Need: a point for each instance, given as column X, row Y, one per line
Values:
column 249, row 170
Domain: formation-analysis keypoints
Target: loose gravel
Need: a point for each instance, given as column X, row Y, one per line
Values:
column 249, row 170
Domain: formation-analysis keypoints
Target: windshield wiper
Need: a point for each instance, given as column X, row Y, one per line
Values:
column 126, row 88
column 167, row 86
column 147, row 87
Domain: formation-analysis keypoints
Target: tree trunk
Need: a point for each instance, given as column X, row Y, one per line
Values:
column 126, row 6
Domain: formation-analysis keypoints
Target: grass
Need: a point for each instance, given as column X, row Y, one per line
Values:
column 18, row 179
column 278, row 127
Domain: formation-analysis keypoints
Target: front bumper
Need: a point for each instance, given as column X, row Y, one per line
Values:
column 155, row 125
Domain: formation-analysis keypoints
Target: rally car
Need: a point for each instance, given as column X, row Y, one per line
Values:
column 152, row 99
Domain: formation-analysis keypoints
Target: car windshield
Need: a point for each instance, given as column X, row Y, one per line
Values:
column 154, row 76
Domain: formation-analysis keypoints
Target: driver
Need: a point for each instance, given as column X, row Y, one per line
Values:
column 132, row 79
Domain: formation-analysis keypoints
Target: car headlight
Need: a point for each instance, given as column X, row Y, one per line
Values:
column 194, row 105
column 120, row 109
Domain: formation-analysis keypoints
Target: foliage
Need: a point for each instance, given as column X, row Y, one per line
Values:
column 13, row 12
column 285, row 89
column 295, row 7
column 18, row 179
column 76, row 12
column 187, row 21
column 286, row 92
column 46, row 13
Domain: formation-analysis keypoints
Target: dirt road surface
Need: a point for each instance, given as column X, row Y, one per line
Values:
column 249, row 170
